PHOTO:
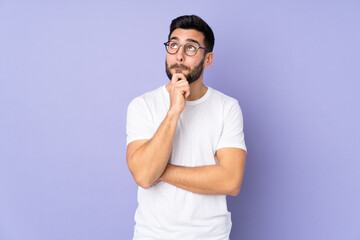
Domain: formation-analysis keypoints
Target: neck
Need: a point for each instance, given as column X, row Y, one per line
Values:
column 197, row 90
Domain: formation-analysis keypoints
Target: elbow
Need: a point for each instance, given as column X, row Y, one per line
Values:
column 144, row 185
column 143, row 182
column 139, row 175
column 234, row 189
column 234, row 192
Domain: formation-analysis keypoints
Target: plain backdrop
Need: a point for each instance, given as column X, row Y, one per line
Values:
column 68, row 70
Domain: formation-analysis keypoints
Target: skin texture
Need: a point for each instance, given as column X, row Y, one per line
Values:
column 148, row 159
column 194, row 74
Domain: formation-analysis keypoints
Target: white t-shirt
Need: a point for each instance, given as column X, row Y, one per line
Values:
column 212, row 122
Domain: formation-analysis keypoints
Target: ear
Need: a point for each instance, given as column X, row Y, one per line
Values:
column 208, row 59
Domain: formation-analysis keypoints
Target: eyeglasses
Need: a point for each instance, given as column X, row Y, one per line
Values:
column 190, row 49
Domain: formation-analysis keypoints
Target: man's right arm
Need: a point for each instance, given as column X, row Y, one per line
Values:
column 148, row 158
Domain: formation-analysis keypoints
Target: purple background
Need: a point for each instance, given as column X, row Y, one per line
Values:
column 68, row 70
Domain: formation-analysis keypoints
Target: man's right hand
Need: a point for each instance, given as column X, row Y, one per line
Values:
column 148, row 158
column 179, row 90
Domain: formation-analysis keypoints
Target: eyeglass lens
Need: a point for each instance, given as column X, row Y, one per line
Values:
column 189, row 48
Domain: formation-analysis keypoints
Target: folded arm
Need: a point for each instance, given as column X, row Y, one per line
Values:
column 147, row 158
column 224, row 178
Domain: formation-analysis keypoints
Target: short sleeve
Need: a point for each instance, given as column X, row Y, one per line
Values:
column 232, row 133
column 139, row 122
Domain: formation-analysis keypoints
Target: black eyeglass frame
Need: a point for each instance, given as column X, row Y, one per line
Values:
column 166, row 44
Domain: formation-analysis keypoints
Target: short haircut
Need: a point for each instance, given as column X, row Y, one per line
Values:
column 196, row 23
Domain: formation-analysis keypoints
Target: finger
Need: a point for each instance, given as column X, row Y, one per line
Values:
column 182, row 89
column 181, row 83
column 187, row 94
column 177, row 77
column 185, row 90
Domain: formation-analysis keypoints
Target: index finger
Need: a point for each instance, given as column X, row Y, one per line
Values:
column 177, row 76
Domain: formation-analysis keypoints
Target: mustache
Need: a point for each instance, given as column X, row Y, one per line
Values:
column 181, row 66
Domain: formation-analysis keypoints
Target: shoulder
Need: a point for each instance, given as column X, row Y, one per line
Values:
column 148, row 97
column 224, row 100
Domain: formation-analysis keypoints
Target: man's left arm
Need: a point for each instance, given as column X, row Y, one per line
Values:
column 224, row 178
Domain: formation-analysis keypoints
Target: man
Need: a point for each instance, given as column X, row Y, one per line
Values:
column 186, row 148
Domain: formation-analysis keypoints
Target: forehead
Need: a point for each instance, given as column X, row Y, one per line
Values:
column 187, row 35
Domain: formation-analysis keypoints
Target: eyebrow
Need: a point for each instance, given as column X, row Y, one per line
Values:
column 188, row 40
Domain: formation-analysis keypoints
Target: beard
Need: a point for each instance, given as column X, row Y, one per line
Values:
column 192, row 76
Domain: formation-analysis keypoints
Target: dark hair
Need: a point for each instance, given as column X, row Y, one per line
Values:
column 196, row 23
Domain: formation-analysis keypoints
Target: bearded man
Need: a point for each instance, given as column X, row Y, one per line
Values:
column 185, row 144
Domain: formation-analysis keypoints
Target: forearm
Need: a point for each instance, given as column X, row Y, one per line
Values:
column 211, row 179
column 149, row 161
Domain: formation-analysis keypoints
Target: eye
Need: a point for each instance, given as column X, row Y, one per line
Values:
column 173, row 45
column 190, row 47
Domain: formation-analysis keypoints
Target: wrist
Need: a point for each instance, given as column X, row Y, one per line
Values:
column 173, row 114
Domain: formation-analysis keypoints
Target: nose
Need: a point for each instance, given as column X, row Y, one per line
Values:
column 180, row 54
